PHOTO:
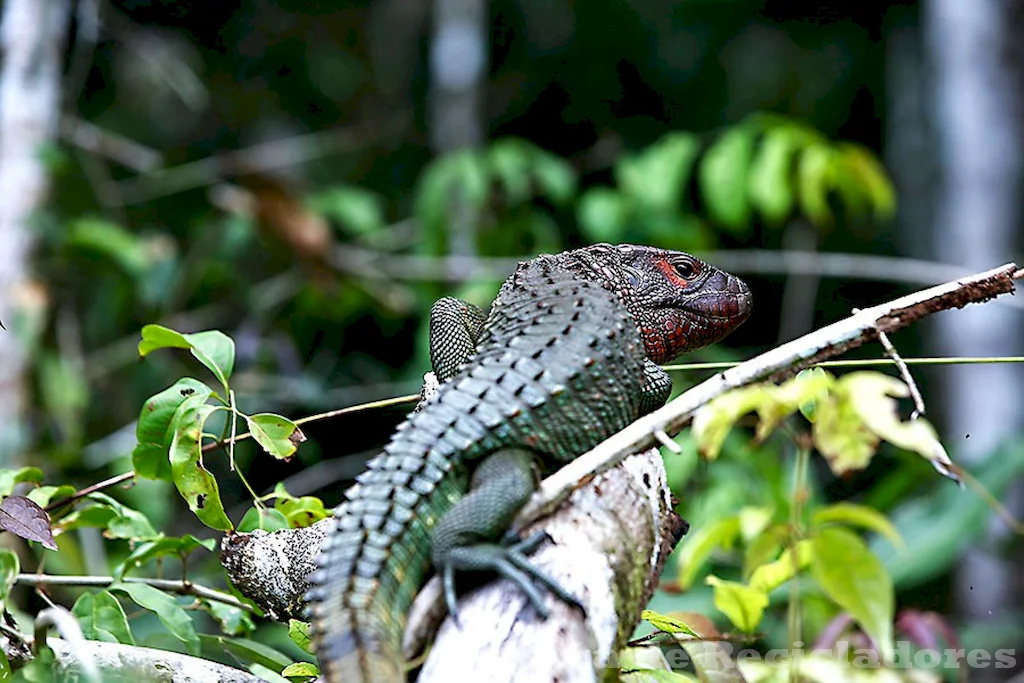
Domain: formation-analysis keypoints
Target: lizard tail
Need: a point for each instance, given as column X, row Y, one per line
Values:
column 371, row 566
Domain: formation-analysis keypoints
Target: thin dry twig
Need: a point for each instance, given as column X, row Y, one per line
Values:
column 372, row 263
column 265, row 156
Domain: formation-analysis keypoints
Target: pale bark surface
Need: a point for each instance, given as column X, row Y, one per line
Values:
column 978, row 109
column 32, row 34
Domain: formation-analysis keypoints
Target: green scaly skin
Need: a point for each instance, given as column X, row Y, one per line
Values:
column 566, row 357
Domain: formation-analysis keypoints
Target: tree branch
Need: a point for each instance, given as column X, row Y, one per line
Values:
column 777, row 364
column 128, row 662
column 172, row 586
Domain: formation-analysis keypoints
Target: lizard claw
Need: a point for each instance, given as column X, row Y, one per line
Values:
column 509, row 561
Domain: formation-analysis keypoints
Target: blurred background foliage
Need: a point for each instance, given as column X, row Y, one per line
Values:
column 284, row 171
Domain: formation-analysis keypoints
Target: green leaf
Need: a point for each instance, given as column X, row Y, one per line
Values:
column 813, row 182
column 459, row 178
column 509, row 160
column 358, row 210
column 247, row 651
column 603, row 215
column 298, row 631
column 45, row 495
column 194, row 482
column 97, row 516
column 10, row 478
column 277, row 435
column 9, row 568
column 744, row 605
column 112, row 241
column 167, row 610
column 647, row 665
column 120, row 521
column 125, row 522
column 150, row 458
column 871, row 176
column 768, row 577
column 770, row 186
column 698, row 548
column 859, row 516
column 555, row 177
column 666, row 623
column 854, row 578
column 263, row 518
column 656, row 179
column 102, row 618
column 64, row 393
column 161, row 547
column 267, row 674
column 302, row 512
column 214, row 349
column 723, row 175
column 233, row 621
column 301, row 670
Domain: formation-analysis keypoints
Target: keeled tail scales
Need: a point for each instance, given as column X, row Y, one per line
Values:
column 566, row 357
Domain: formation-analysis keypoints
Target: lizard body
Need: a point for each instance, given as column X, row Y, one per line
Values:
column 566, row 357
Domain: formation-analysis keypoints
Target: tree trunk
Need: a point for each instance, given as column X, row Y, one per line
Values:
column 32, row 35
column 977, row 112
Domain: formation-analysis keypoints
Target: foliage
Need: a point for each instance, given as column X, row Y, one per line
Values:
column 742, row 182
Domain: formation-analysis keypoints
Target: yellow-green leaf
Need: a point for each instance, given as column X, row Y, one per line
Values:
column 301, row 670
column 666, row 623
column 871, row 395
column 277, row 435
column 839, row 433
column 871, row 175
column 768, row 577
column 860, row 516
column 853, row 577
column 744, row 605
column 698, row 548
column 715, row 418
column 298, row 631
column 813, row 183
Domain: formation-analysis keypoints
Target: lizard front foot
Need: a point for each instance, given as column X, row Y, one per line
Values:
column 509, row 561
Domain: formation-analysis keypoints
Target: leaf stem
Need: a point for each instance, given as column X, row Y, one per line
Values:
column 796, row 535
column 105, row 484
column 383, row 403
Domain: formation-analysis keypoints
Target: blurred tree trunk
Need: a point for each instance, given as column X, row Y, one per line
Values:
column 458, row 67
column 976, row 108
column 32, row 35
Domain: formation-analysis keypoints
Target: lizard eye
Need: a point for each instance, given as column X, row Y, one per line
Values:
column 685, row 269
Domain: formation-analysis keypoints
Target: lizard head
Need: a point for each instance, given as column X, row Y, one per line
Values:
column 679, row 302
